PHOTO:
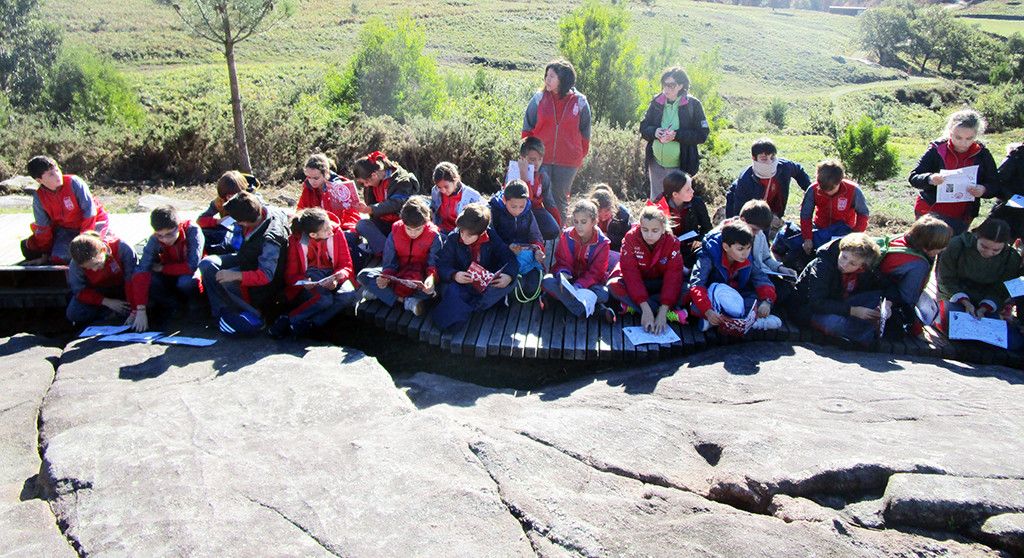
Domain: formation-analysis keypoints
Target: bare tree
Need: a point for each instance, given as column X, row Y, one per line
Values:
column 227, row 23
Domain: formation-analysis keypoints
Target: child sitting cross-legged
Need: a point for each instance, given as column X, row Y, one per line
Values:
column 410, row 254
column 650, row 272
column 317, row 255
column 581, row 256
column 725, row 283
column 475, row 267
column 839, row 292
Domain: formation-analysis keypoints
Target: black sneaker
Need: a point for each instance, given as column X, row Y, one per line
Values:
column 281, row 328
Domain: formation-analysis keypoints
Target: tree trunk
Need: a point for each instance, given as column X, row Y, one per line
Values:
column 236, row 101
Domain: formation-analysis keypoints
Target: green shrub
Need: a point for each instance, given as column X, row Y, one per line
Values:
column 705, row 80
column 775, row 114
column 28, row 46
column 82, row 87
column 596, row 38
column 390, row 73
column 865, row 151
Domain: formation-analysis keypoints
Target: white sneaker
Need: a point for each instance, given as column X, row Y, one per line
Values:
column 367, row 296
column 768, row 322
column 414, row 305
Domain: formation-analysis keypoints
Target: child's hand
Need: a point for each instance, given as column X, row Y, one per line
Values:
column 869, row 314
column 503, row 281
column 713, row 318
column 936, row 179
column 661, row 321
column 977, row 190
column 330, row 283
column 968, row 306
column 158, row 267
column 428, row 285
column 646, row 317
column 764, row 309
column 117, row 306
column 139, row 320
column 524, row 168
column 516, row 248
column 539, row 255
column 463, row 277
column 382, row 282
column 228, row 276
column 808, row 246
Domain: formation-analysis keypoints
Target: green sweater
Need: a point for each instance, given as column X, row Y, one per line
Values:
column 961, row 269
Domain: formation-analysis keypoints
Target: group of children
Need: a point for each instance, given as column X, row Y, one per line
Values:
column 455, row 252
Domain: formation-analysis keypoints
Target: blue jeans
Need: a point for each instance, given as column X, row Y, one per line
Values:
column 79, row 313
column 318, row 305
column 368, row 280
column 458, row 302
column 223, row 296
column 847, row 327
column 819, row 237
column 375, row 232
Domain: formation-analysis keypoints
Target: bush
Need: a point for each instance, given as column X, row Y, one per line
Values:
column 595, row 38
column 390, row 74
column 1003, row 106
column 822, row 121
column 865, row 151
column 705, row 79
column 616, row 157
column 81, row 87
column 28, row 46
column 775, row 114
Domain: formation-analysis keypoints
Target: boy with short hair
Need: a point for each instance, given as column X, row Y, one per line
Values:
column 839, row 292
column 513, row 220
column 248, row 280
column 219, row 239
column 758, row 216
column 62, row 208
column 767, row 178
column 725, row 283
column 410, row 253
column 470, row 254
column 166, row 272
column 549, row 221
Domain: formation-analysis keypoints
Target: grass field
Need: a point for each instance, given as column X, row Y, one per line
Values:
column 1001, row 27
column 1000, row 7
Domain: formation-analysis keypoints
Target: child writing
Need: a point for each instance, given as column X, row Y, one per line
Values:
column 906, row 263
column 476, row 269
column 100, row 280
column 581, row 256
column 221, row 239
column 449, row 196
column 319, row 265
column 726, row 284
column 410, row 254
column 386, row 186
column 840, row 291
column 166, row 274
column 62, row 208
column 649, row 274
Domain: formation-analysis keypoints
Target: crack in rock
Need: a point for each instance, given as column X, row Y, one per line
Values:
column 329, row 547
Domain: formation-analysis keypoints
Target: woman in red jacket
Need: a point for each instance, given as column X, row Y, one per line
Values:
column 560, row 117
column 319, row 266
column 650, row 272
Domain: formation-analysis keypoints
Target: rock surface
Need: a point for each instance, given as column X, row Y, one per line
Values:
column 266, row 448
column 27, row 524
column 1006, row 530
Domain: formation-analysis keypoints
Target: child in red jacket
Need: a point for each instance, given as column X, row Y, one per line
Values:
column 581, row 256
column 166, row 274
column 326, row 189
column 650, row 272
column 410, row 254
column 832, row 207
column 318, row 274
column 100, row 279
column 62, row 208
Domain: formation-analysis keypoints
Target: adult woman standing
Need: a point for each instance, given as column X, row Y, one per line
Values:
column 560, row 117
column 673, row 126
column 958, row 148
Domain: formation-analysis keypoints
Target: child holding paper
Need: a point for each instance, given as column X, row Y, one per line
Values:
column 758, row 215
column 410, row 254
column 513, row 220
column 220, row 234
column 839, row 292
column 581, row 259
column 166, row 274
column 958, row 148
column 725, row 283
column 476, row 269
column 449, row 196
column 972, row 270
column 100, row 280
column 318, row 264
column 386, row 186
column 649, row 274
column 686, row 211
column 906, row 263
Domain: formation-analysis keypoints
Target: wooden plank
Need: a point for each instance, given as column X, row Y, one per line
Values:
column 484, row 334
column 380, row 313
column 632, row 352
column 533, row 328
column 686, row 334
column 494, row 341
column 459, row 339
column 415, row 325
column 434, row 335
column 569, row 337
column 392, row 317
column 557, row 331
column 676, row 347
column 618, row 350
column 582, row 339
column 544, row 342
column 604, row 346
column 447, row 336
column 524, row 336
column 511, row 324
column 403, row 323
column 699, row 339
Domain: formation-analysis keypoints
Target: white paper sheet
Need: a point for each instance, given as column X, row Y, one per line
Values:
column 638, row 336
column 586, row 296
column 227, row 222
column 963, row 326
column 687, row 236
column 144, row 337
column 885, row 312
column 189, row 341
column 1015, row 287
column 1017, row 201
column 103, row 330
column 954, row 188
column 513, row 172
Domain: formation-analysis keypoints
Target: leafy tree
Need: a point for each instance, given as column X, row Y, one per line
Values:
column 28, row 47
column 227, row 23
column 931, row 29
column 865, row 151
column 390, row 73
column 595, row 38
column 705, row 80
column 884, row 30
column 775, row 114
column 85, row 88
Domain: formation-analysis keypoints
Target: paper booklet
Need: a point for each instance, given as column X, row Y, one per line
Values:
column 418, row 285
column 738, row 327
column 964, row 326
column 954, row 189
column 513, row 172
column 637, row 336
column 482, row 278
column 586, row 296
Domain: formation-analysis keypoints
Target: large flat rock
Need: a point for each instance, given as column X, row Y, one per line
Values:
column 28, row 526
